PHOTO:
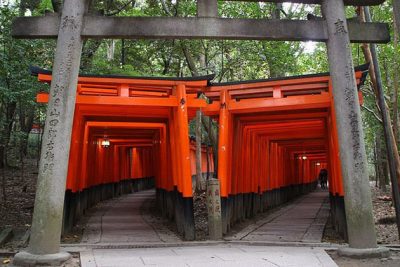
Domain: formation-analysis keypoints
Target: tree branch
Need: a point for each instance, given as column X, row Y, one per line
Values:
column 120, row 9
column 373, row 113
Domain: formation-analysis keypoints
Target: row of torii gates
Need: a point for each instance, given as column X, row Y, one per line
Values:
column 275, row 136
column 303, row 123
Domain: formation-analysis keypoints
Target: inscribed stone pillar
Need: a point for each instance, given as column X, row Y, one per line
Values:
column 214, row 209
column 44, row 245
column 358, row 204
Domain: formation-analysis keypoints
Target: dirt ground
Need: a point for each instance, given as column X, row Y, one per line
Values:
column 16, row 202
column 16, row 206
column 384, row 216
column 392, row 261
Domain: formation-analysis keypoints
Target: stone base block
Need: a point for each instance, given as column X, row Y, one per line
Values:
column 363, row 253
column 24, row 258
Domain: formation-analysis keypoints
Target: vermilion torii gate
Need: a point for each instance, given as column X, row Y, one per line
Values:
column 74, row 25
column 283, row 129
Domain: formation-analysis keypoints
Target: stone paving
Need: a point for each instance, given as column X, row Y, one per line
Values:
column 120, row 221
column 117, row 234
column 204, row 256
column 301, row 221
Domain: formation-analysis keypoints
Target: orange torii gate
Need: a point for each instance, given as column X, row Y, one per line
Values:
column 260, row 160
column 275, row 136
column 133, row 113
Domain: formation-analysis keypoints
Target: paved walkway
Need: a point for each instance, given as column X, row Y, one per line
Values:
column 117, row 234
column 301, row 221
column 205, row 256
column 120, row 221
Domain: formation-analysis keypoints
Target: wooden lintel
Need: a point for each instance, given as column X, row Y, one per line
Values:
column 263, row 105
column 199, row 28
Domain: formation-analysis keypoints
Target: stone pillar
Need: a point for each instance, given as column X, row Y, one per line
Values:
column 44, row 245
column 358, row 203
column 214, row 209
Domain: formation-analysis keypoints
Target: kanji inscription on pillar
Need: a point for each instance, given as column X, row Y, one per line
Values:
column 213, row 201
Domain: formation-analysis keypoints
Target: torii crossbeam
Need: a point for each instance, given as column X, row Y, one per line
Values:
column 74, row 25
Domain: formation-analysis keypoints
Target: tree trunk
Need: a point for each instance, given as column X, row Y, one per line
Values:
column 374, row 79
column 4, row 185
column 391, row 145
column 123, row 52
column 376, row 165
column 199, row 173
column 208, row 163
column 110, row 50
column 26, row 123
column 2, row 163
column 10, row 114
column 89, row 50
column 395, row 83
column 57, row 5
column 277, row 11
column 213, row 137
column 396, row 13
column 189, row 59
column 382, row 163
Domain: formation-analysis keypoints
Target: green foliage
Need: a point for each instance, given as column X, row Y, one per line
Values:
column 229, row 60
column 45, row 5
column 17, row 87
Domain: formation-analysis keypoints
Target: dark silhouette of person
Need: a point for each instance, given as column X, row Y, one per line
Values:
column 323, row 178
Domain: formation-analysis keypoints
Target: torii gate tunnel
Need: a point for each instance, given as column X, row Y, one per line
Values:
column 245, row 138
column 274, row 137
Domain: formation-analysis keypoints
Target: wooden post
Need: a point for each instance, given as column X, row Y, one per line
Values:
column 223, row 144
column 184, row 158
column 44, row 245
column 358, row 203
column 183, row 139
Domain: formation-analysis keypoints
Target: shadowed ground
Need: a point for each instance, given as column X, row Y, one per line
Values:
column 120, row 221
column 301, row 221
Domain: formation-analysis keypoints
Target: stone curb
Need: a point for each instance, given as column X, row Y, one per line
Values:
column 358, row 253
column 79, row 247
column 27, row 259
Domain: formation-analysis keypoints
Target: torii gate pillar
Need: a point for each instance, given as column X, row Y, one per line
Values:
column 358, row 202
column 44, row 245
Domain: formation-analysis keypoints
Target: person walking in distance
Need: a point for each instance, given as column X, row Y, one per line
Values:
column 323, row 178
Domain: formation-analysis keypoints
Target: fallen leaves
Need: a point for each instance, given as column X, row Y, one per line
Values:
column 384, row 216
column 385, row 198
